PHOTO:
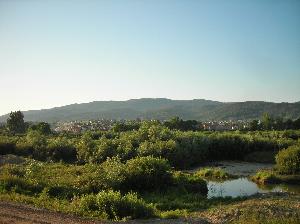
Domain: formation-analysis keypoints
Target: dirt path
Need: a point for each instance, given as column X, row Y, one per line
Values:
column 18, row 213
column 14, row 213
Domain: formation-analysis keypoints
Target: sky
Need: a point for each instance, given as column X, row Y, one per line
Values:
column 58, row 52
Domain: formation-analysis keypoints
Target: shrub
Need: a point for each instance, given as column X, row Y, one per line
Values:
column 147, row 173
column 86, row 148
column 62, row 149
column 190, row 183
column 174, row 214
column 19, row 185
column 214, row 173
column 265, row 177
column 6, row 146
column 113, row 174
column 62, row 192
column 288, row 160
column 24, row 149
column 112, row 205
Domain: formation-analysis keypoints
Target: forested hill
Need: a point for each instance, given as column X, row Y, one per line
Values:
column 161, row 108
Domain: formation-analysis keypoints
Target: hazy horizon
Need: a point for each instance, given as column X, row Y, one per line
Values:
column 56, row 53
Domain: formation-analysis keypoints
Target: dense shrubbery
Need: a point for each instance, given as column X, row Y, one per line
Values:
column 147, row 174
column 139, row 174
column 288, row 160
column 99, row 190
column 181, row 149
column 7, row 145
column 113, row 205
column 190, row 183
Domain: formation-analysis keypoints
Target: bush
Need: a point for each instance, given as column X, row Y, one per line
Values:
column 113, row 174
column 112, row 205
column 62, row 149
column 190, row 183
column 147, row 173
column 7, row 146
column 62, row 192
column 19, row 185
column 265, row 177
column 214, row 173
column 288, row 160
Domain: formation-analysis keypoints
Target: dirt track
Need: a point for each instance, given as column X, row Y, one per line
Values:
column 14, row 213
column 17, row 213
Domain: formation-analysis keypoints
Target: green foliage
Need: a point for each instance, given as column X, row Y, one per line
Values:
column 113, row 174
column 261, row 157
column 174, row 214
column 112, row 205
column 181, row 149
column 190, row 183
column 42, row 127
column 265, row 177
column 86, row 147
column 12, row 180
column 147, row 173
column 126, row 126
column 213, row 173
column 139, row 174
column 62, row 149
column 179, row 124
column 15, row 122
column 270, row 123
column 7, row 145
column 288, row 160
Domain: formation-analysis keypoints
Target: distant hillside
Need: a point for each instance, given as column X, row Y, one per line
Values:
column 161, row 108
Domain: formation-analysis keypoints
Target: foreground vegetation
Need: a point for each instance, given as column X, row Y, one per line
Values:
column 272, row 208
column 286, row 170
column 133, row 172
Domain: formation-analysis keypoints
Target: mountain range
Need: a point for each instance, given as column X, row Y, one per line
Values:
column 162, row 109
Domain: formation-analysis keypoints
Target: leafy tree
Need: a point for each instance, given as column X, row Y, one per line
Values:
column 128, row 126
column 267, row 122
column 179, row 124
column 15, row 122
column 42, row 127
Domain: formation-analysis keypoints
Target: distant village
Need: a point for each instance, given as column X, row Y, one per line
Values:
column 104, row 125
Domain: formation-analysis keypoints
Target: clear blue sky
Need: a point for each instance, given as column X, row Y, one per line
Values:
column 60, row 52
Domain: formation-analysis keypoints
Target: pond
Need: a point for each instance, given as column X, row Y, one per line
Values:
column 244, row 187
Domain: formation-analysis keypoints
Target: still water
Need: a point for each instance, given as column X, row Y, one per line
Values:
column 244, row 187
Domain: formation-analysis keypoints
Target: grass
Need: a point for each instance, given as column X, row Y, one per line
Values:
column 265, row 177
column 271, row 208
column 214, row 174
column 272, row 177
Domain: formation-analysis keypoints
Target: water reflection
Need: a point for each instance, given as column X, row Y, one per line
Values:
column 244, row 187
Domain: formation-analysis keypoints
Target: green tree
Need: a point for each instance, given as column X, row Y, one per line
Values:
column 15, row 122
column 267, row 122
column 42, row 127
